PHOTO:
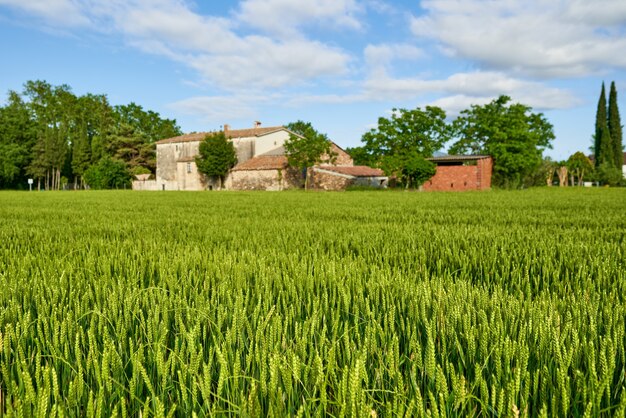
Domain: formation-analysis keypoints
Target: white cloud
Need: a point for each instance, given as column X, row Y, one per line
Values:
column 220, row 108
column 59, row 12
column 478, row 85
column 541, row 38
column 284, row 17
column 208, row 44
column 381, row 56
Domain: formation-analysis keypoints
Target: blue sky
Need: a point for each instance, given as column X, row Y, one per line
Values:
column 339, row 64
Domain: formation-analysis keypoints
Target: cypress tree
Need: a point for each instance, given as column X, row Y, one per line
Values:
column 615, row 127
column 602, row 132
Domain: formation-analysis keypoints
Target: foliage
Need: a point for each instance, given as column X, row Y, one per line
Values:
column 48, row 132
column 407, row 131
column 614, row 126
column 607, row 174
column 126, row 304
column 579, row 165
column 411, row 168
column 509, row 132
column 307, row 147
column 108, row 174
column 17, row 136
column 361, row 156
column 217, row 156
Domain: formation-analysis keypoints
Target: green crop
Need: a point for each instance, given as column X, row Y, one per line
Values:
column 357, row 304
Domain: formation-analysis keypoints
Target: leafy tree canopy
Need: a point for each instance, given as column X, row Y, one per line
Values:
column 307, row 147
column 217, row 156
column 510, row 132
column 407, row 131
column 579, row 165
column 48, row 132
column 108, row 173
column 411, row 168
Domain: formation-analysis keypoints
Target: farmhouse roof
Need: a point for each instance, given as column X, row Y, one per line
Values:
column 356, row 171
column 231, row 133
column 263, row 162
column 456, row 158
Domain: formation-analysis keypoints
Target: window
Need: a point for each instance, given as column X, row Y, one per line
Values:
column 189, row 167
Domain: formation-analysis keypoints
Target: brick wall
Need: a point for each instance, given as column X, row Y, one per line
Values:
column 461, row 177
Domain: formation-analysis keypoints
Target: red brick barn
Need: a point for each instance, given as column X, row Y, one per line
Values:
column 460, row 172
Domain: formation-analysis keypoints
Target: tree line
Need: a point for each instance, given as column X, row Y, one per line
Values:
column 61, row 139
column 511, row 133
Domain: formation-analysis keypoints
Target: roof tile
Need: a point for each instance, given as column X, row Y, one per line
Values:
column 263, row 162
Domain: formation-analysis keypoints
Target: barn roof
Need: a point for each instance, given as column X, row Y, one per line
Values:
column 456, row 158
column 231, row 133
column 356, row 171
column 263, row 162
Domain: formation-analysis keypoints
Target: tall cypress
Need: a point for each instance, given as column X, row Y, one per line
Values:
column 615, row 128
column 602, row 132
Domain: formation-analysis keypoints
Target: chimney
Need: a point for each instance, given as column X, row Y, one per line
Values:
column 226, row 129
column 257, row 124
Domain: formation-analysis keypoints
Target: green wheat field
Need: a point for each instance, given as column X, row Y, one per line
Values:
column 355, row 304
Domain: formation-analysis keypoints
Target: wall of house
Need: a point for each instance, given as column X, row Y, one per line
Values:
column 461, row 177
column 269, row 142
column 188, row 177
column 342, row 158
column 167, row 157
column 374, row 182
column 244, row 147
column 145, row 185
column 271, row 180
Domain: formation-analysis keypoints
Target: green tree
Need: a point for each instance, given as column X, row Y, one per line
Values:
column 615, row 128
column 602, row 147
column 108, row 173
column 410, row 168
column 18, row 134
column 307, row 147
column 398, row 144
column 145, row 123
column 421, row 131
column 607, row 174
column 216, row 157
column 511, row 133
column 579, row 165
column 361, row 156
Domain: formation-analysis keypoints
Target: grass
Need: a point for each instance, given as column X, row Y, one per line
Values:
column 313, row 304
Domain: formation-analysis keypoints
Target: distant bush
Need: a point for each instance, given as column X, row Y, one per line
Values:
column 108, row 174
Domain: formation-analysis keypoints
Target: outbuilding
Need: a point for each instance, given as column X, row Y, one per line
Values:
column 460, row 172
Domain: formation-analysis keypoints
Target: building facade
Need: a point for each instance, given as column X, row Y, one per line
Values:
column 460, row 172
column 261, row 162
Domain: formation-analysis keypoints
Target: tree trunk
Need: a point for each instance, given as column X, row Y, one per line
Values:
column 306, row 179
column 549, row 178
column 562, row 172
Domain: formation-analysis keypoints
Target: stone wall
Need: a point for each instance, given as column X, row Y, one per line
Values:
column 325, row 180
column 145, row 185
column 271, row 180
column 461, row 177
column 342, row 158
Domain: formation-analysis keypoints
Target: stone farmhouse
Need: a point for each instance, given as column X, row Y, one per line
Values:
column 262, row 165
